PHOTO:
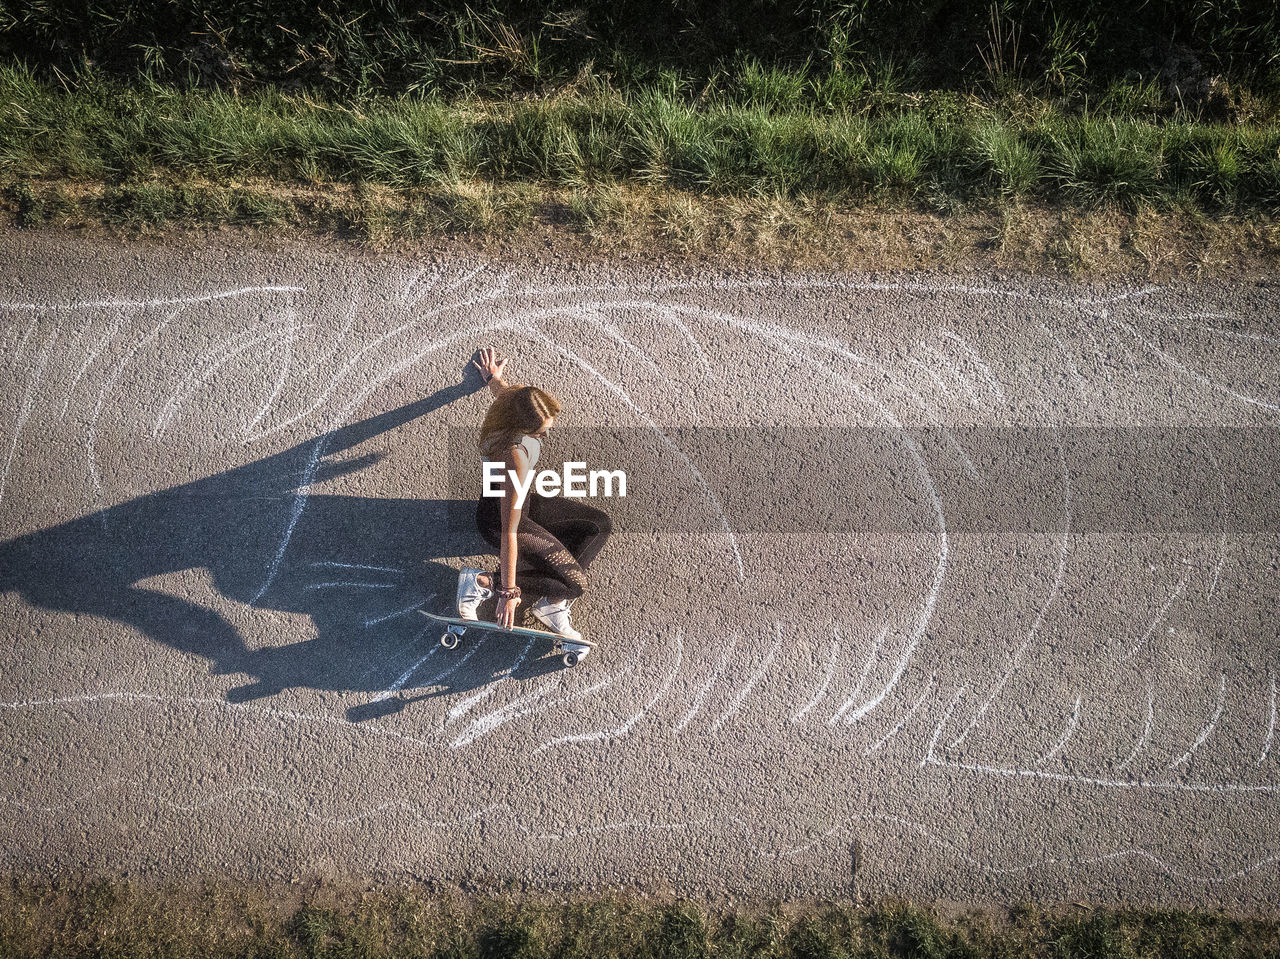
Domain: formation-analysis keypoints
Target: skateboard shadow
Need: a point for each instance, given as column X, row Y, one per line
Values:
column 357, row 566
column 488, row 659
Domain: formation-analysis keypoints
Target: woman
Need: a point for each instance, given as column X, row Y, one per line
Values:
column 545, row 545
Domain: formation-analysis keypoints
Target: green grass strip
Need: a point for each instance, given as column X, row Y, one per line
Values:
column 108, row 133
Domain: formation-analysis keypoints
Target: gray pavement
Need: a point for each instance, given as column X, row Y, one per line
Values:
column 961, row 588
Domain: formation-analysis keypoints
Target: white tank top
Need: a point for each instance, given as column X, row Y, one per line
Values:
column 532, row 450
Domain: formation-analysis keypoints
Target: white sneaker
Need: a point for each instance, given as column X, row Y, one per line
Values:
column 556, row 616
column 470, row 593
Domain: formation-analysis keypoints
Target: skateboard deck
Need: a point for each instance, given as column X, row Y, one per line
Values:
column 456, row 627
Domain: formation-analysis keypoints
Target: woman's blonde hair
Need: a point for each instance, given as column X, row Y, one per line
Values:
column 516, row 411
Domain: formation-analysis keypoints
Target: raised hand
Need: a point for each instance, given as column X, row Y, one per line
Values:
column 489, row 365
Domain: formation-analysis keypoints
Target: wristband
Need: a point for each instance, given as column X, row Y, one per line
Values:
column 508, row 592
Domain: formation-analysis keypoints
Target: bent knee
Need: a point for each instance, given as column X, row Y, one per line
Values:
column 576, row 583
column 603, row 524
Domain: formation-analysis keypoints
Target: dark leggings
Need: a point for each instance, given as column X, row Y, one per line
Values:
column 556, row 541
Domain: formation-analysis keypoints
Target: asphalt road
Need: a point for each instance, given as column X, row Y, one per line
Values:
column 957, row 588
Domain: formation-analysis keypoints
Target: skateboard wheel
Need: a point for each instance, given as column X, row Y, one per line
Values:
column 449, row 640
column 570, row 659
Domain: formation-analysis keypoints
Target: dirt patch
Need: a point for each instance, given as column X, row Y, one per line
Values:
column 611, row 221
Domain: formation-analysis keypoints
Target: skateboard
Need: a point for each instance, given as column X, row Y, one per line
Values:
column 456, row 628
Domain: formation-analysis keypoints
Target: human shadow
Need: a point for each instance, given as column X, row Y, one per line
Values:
column 357, row 566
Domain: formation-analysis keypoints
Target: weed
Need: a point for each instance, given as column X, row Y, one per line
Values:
column 1108, row 162
column 681, row 934
column 1000, row 54
column 1011, row 163
column 598, row 208
column 32, row 210
column 510, row 940
column 1219, row 169
column 1094, row 936
column 1064, row 55
column 770, row 88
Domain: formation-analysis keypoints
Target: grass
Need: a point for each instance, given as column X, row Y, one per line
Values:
column 951, row 149
column 107, row 919
column 874, row 180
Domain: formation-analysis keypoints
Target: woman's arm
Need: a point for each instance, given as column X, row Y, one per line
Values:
column 491, row 368
column 509, row 550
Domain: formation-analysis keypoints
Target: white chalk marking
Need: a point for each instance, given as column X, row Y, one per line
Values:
column 404, row 677
column 1222, row 541
column 282, row 715
column 1077, row 380
column 937, row 730
column 1016, row 661
column 708, row 368
column 609, row 330
column 935, row 423
column 605, row 735
column 826, row 679
column 25, row 410
column 518, row 709
column 992, row 380
column 1066, row 736
column 1255, row 337
column 779, row 337
column 183, row 301
column 286, row 348
column 371, row 385
column 862, row 679
column 879, row 744
column 1146, row 729
column 1204, row 733
column 937, row 380
column 376, row 569
column 711, row 681
column 335, row 344
column 299, row 503
column 956, row 851
column 107, row 388
column 92, row 355
column 396, row 613
column 1158, row 785
column 956, row 374
column 926, row 613
column 1187, row 371
column 206, row 367
column 505, row 714
column 455, row 666
column 464, row 707
column 411, row 283
column 1177, row 591
column 736, row 704
column 797, row 284
column 351, row 584
column 470, row 275
column 377, row 381
column 1271, row 724
column 22, row 344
